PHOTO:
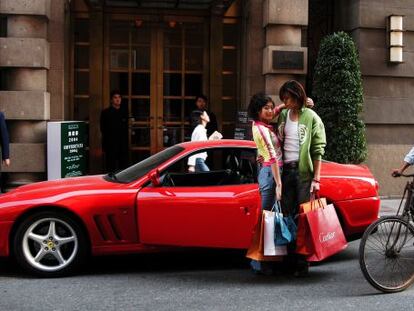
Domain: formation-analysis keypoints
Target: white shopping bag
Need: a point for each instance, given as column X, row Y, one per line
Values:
column 270, row 249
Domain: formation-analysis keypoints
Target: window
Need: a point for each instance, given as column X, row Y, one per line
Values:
column 230, row 73
column 81, row 70
column 228, row 166
column 145, row 166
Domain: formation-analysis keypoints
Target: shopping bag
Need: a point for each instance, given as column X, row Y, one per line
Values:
column 291, row 225
column 304, row 245
column 285, row 228
column 270, row 248
column 314, row 203
column 326, row 233
column 256, row 249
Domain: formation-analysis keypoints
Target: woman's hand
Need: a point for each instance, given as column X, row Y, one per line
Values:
column 279, row 192
column 260, row 159
column 315, row 186
column 191, row 168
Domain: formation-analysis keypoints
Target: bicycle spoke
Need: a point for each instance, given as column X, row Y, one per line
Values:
column 387, row 260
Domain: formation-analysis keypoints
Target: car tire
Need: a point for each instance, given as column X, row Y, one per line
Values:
column 49, row 244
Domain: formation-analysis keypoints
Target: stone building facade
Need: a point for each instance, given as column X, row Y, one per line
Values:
column 59, row 59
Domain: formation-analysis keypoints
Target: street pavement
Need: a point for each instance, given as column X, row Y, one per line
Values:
column 199, row 280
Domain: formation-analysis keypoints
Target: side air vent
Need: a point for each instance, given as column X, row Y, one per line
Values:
column 108, row 227
column 114, row 227
column 100, row 227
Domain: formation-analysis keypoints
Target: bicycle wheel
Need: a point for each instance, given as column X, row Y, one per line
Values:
column 386, row 254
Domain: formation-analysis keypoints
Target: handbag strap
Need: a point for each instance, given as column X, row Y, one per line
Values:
column 316, row 199
column 276, row 207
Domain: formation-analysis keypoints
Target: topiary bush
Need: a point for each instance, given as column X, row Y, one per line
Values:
column 338, row 96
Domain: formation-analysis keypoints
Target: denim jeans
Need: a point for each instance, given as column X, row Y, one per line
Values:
column 267, row 187
column 201, row 166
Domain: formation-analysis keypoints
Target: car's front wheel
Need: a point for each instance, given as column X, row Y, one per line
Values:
column 49, row 244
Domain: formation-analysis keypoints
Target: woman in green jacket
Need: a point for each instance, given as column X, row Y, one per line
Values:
column 303, row 137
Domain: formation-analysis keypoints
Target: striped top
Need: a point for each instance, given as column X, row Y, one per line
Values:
column 267, row 143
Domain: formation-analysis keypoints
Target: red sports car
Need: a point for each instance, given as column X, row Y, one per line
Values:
column 50, row 227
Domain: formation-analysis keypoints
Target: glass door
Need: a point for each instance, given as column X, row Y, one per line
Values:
column 182, row 75
column 159, row 69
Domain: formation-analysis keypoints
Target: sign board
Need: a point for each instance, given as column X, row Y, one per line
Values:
column 287, row 60
column 66, row 143
column 243, row 129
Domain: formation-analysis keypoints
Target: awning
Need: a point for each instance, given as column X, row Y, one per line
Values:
column 221, row 5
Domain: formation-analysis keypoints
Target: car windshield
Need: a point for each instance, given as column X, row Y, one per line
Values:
column 145, row 166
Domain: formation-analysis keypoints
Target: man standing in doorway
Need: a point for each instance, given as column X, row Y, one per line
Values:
column 201, row 102
column 114, row 129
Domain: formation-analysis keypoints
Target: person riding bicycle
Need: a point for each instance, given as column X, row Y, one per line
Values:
column 408, row 161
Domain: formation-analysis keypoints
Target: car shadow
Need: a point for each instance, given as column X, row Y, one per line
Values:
column 207, row 262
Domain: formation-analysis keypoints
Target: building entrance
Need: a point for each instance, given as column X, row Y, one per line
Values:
column 159, row 68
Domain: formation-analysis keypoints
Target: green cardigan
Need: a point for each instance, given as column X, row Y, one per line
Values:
column 312, row 139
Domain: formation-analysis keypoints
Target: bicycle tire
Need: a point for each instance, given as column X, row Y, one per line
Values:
column 401, row 234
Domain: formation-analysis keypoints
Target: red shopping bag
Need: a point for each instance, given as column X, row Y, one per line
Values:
column 304, row 244
column 326, row 233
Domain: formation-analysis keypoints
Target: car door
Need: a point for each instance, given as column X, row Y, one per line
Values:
column 198, row 216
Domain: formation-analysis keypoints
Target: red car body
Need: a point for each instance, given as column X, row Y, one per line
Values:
column 137, row 217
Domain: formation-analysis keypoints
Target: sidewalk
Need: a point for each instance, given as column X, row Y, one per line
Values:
column 389, row 206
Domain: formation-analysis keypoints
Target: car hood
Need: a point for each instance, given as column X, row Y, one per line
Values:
column 349, row 170
column 54, row 187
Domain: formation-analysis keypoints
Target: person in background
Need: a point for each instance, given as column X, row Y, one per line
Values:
column 408, row 161
column 197, row 162
column 303, row 137
column 114, row 129
column 201, row 103
column 5, row 150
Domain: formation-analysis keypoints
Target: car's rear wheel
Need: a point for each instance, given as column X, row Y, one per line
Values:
column 49, row 244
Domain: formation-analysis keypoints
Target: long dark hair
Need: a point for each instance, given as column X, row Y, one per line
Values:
column 294, row 90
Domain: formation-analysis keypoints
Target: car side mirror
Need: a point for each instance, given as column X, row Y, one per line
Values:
column 154, row 176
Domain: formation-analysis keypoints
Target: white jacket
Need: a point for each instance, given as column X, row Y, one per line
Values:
column 199, row 134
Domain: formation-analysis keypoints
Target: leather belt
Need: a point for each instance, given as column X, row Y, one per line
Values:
column 291, row 165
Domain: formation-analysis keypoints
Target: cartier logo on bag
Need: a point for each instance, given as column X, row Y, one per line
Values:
column 325, row 237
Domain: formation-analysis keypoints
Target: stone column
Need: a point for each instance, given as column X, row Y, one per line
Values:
column 253, row 41
column 24, row 56
column 284, row 58
column 34, row 82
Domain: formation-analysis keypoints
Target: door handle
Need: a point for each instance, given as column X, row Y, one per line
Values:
column 245, row 210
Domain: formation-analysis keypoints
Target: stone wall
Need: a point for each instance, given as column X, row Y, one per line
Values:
column 388, row 88
column 33, row 78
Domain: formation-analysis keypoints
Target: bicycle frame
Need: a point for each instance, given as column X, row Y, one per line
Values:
column 407, row 215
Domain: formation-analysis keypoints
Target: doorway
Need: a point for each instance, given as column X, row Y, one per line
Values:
column 159, row 68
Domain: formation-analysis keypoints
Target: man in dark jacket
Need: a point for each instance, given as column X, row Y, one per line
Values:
column 4, row 144
column 201, row 104
column 114, row 129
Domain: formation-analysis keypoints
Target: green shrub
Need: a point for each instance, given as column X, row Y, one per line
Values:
column 338, row 95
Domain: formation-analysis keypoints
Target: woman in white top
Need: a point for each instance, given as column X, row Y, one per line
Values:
column 197, row 162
